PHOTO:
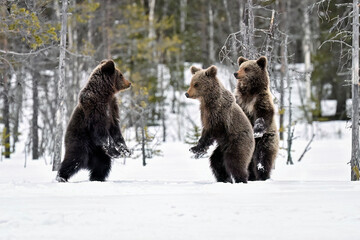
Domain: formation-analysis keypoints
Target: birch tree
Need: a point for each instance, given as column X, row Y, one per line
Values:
column 251, row 29
column 342, row 31
column 61, row 83
column 284, row 67
column 211, row 34
column 307, row 61
column 355, row 176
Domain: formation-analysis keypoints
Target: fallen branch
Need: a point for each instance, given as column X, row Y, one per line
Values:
column 307, row 148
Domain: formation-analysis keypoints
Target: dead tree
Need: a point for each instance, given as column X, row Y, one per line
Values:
column 243, row 42
column 290, row 129
column 355, row 175
column 34, row 122
column 340, row 35
column 307, row 60
column 61, row 83
column 6, row 108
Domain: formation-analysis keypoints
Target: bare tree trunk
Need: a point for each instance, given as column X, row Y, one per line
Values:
column 183, row 17
column 307, row 54
column 211, row 34
column 151, row 19
column 105, row 30
column 241, row 14
column 228, row 16
column 18, row 106
column 6, row 115
column 203, row 25
column 183, row 14
column 282, row 93
column 242, row 26
column 89, row 39
column 6, row 107
column 231, row 29
column 355, row 175
column 61, row 83
column 269, row 37
column 180, row 73
column 90, row 27
column 283, row 69
column 290, row 131
column 143, row 138
column 72, row 70
column 34, row 122
column 56, row 7
column 251, row 29
column 162, row 103
column 152, row 35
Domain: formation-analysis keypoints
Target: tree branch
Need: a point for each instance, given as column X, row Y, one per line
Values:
column 26, row 54
column 41, row 50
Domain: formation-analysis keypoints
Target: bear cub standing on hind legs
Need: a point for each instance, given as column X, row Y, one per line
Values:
column 254, row 97
column 223, row 121
column 93, row 134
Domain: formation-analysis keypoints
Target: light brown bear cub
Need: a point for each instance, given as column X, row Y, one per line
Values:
column 254, row 97
column 223, row 121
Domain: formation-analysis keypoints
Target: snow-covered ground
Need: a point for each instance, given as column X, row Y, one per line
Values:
column 176, row 197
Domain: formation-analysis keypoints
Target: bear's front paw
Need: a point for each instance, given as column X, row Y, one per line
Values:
column 259, row 128
column 123, row 150
column 111, row 151
column 258, row 134
column 198, row 151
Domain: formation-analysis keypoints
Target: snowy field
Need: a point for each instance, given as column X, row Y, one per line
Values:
column 176, row 197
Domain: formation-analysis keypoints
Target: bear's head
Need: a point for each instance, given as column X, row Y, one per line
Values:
column 203, row 82
column 117, row 78
column 252, row 75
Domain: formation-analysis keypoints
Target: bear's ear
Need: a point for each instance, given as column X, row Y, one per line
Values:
column 262, row 61
column 108, row 66
column 211, row 71
column 194, row 69
column 241, row 60
column 103, row 61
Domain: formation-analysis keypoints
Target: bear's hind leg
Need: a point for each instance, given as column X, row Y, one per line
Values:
column 237, row 165
column 264, row 167
column 252, row 171
column 73, row 162
column 217, row 166
column 264, row 162
column 100, row 166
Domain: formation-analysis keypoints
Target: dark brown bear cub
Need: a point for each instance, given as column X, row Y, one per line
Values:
column 223, row 121
column 93, row 134
column 254, row 97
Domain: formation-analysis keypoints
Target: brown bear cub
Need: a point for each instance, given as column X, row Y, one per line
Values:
column 93, row 134
column 254, row 97
column 223, row 121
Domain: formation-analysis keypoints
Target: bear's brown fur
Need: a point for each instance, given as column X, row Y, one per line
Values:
column 254, row 97
column 93, row 134
column 223, row 121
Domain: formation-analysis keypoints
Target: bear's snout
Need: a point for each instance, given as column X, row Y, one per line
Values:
column 236, row 74
column 127, row 84
column 186, row 95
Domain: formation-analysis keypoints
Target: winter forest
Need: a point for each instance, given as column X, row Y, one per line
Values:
column 161, row 190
